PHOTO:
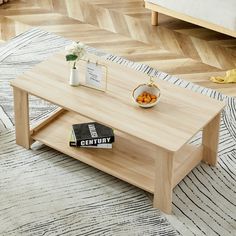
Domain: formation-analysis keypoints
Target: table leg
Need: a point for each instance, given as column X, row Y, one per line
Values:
column 210, row 140
column 163, row 181
column 21, row 109
column 154, row 18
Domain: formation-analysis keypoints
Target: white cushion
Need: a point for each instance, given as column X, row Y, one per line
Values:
column 219, row 12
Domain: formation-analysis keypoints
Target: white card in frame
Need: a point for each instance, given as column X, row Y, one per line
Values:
column 95, row 75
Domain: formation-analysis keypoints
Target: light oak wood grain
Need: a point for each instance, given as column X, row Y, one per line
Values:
column 132, row 160
column 210, row 141
column 185, row 160
column 163, row 180
column 53, row 115
column 193, row 110
column 21, row 110
column 154, row 19
column 123, row 28
column 125, row 160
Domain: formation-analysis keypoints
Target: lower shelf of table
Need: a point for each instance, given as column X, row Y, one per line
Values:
column 130, row 159
column 127, row 159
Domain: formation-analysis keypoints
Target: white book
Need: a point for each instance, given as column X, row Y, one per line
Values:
column 103, row 145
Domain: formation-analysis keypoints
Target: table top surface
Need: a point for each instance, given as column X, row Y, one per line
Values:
column 178, row 116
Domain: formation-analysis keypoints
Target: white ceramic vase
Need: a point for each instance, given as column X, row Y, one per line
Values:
column 74, row 77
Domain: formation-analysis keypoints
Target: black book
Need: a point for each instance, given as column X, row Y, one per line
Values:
column 92, row 134
column 72, row 143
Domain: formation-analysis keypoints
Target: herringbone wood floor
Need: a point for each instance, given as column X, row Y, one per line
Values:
column 123, row 27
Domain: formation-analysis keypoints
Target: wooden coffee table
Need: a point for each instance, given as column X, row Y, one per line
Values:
column 151, row 150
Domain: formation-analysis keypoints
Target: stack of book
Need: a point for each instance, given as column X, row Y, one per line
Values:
column 91, row 135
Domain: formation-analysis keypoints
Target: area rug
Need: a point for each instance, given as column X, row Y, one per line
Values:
column 44, row 192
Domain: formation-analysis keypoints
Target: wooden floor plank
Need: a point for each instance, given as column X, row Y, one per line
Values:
column 123, row 28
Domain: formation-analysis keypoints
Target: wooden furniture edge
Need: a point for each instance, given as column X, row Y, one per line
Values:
column 184, row 17
column 164, row 165
column 64, row 108
column 21, row 111
column 186, row 162
column 210, row 140
column 53, row 115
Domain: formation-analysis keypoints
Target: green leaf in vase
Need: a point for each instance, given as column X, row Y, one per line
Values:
column 71, row 57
